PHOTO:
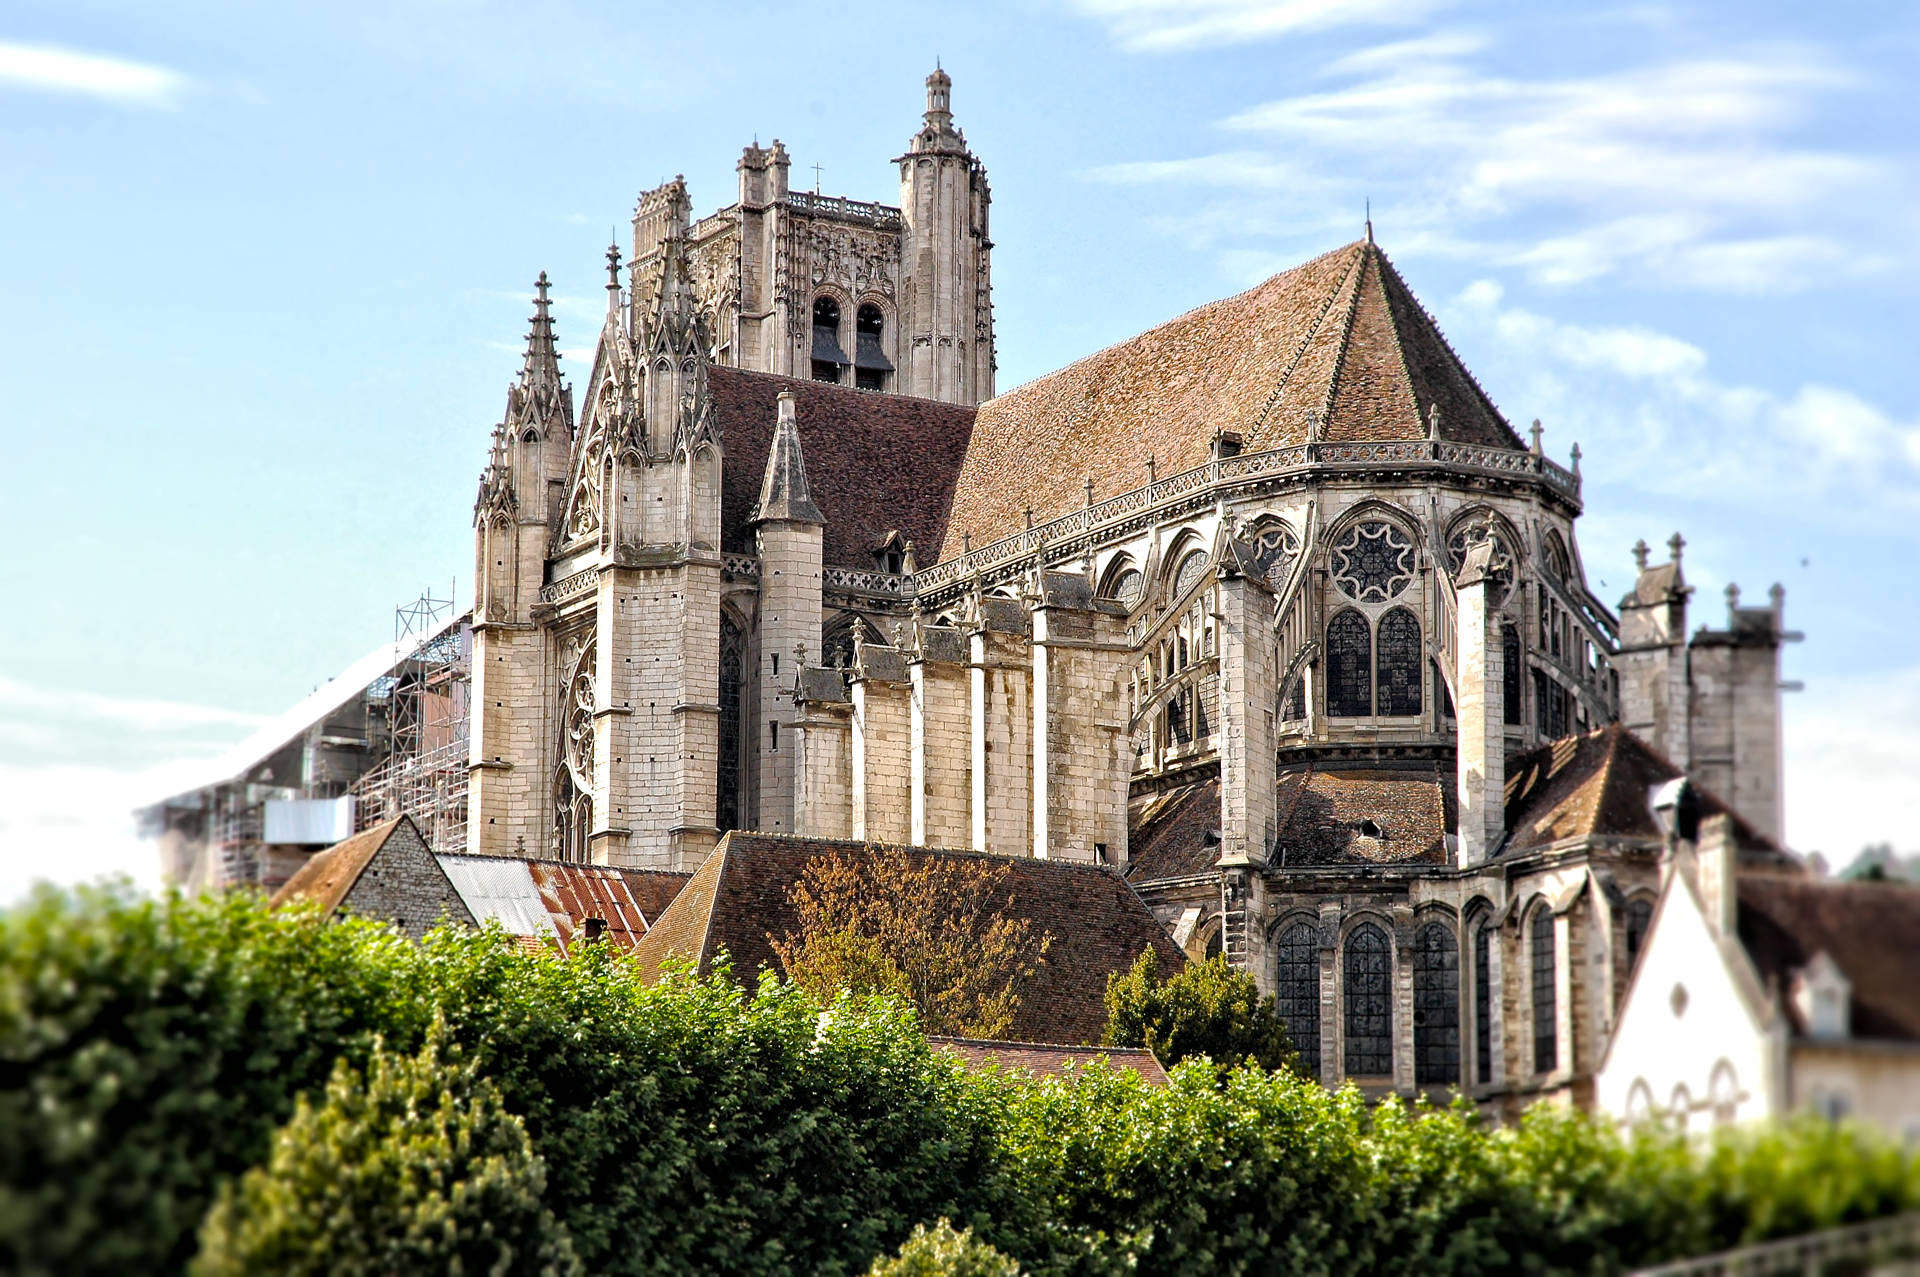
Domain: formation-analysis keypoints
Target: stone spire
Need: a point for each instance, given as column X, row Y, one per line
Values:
column 539, row 398
column 783, row 492
column 937, row 134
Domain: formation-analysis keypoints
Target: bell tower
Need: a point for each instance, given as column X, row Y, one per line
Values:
column 946, row 260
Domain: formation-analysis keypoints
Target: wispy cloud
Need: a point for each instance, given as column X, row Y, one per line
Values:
column 127, row 713
column 50, row 68
column 1852, row 751
column 1159, row 26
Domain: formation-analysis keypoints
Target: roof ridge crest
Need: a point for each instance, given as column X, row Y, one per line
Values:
column 1346, row 343
column 1300, row 351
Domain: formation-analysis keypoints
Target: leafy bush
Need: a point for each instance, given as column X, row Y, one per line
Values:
column 415, row 1168
column 941, row 1252
column 1207, row 1009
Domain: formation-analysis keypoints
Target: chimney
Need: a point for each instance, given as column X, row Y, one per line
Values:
column 1480, row 685
column 1719, row 859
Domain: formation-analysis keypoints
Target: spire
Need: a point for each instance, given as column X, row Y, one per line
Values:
column 783, row 493
column 539, row 398
column 542, row 366
column 613, row 280
column 937, row 134
column 940, row 99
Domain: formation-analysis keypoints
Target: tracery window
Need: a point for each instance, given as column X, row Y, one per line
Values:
column 1126, row 585
column 1436, row 1007
column 1559, row 565
column 1367, row 977
column 572, row 818
column 1295, row 706
column 1373, row 561
column 732, row 669
column 1297, row 995
column 1466, row 537
column 1274, row 550
column 1639, row 919
column 1510, row 675
column 1349, row 666
column 1483, row 1003
column 1190, row 569
column 1546, row 1037
column 1398, row 664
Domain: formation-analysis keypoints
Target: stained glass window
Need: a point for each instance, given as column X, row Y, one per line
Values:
column 1190, row 569
column 1274, row 550
column 1373, row 561
column 1398, row 664
column 1466, row 537
column 732, row 663
column 1483, row 1003
column 1639, row 918
column 1298, row 992
column 1510, row 674
column 1546, row 1040
column 1126, row 586
column 1367, row 971
column 1436, row 1007
column 1296, row 702
column 1349, row 666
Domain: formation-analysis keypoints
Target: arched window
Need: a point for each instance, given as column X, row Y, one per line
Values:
column 1190, row 569
column 1559, row 563
column 1126, row 586
column 870, row 363
column 732, row 667
column 1398, row 665
column 840, row 635
column 1294, row 708
column 1367, row 976
column 1483, row 1003
column 1546, row 1036
column 1436, row 1007
column 828, row 358
column 1349, row 666
column 1468, row 534
column 1510, row 674
column 1297, row 994
column 1639, row 918
column 1274, row 550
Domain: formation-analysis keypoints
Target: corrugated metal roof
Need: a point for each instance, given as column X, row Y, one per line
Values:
column 501, row 888
column 574, row 893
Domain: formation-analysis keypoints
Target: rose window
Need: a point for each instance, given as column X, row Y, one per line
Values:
column 1373, row 562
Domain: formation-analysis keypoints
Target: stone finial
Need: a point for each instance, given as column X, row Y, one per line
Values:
column 1777, row 596
column 1153, row 466
column 1433, row 421
column 1029, row 518
column 1313, row 426
column 1733, row 598
column 1640, row 552
column 907, row 563
column 1576, row 460
column 966, row 541
column 1536, row 432
column 1089, row 490
column 783, row 489
column 799, row 656
column 1676, row 543
column 613, row 268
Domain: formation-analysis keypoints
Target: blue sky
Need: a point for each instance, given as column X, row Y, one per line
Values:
column 267, row 267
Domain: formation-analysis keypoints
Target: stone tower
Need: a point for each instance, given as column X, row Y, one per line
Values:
column 946, row 307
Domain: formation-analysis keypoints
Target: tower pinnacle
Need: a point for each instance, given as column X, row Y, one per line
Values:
column 940, row 100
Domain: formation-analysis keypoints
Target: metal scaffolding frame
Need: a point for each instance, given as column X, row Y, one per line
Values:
column 424, row 774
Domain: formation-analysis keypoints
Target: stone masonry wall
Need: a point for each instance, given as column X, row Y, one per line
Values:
column 941, row 793
column 405, row 885
column 882, row 760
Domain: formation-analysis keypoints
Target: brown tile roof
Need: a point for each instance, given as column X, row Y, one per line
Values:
column 1599, row 784
column 1376, row 813
column 654, row 889
column 1038, row 1060
column 1177, row 834
column 1868, row 928
column 875, row 463
column 330, row 874
column 739, row 901
column 1341, row 335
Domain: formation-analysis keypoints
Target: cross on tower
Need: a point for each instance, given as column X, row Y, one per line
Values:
column 816, row 179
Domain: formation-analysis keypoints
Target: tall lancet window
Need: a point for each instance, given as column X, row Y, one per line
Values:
column 1298, row 993
column 1436, row 1007
column 1510, row 674
column 1349, row 666
column 1367, row 971
column 732, row 667
column 1398, row 665
column 1546, row 1020
column 870, row 364
column 828, row 357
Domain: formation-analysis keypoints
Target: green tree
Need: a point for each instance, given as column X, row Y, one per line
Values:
column 414, row 1168
column 941, row 1252
column 1207, row 1009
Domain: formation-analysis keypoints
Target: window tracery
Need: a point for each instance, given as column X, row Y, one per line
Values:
column 1436, row 1007
column 1398, row 664
column 1546, row 1037
column 1189, row 572
column 1126, row 586
column 1274, row 550
column 732, row 678
column 1297, row 995
column 1349, row 666
column 1373, row 561
column 1368, row 992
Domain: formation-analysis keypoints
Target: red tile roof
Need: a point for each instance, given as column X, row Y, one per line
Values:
column 1038, row 1060
column 739, row 901
column 1869, row 929
column 1331, row 813
column 875, row 463
column 1341, row 335
column 331, row 874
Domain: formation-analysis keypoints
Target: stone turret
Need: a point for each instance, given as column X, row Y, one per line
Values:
column 946, row 302
column 789, row 529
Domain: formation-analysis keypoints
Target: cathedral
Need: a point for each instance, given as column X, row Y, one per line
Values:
column 1269, row 610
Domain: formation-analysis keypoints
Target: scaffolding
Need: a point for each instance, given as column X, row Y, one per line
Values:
column 425, row 701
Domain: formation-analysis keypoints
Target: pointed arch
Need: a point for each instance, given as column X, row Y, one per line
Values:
column 1544, row 978
column 1399, row 665
column 840, row 635
column 1366, row 962
column 1349, row 665
column 1436, row 1006
column 1297, row 991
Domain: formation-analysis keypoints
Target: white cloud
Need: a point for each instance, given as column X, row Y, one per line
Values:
column 136, row 713
column 1160, row 26
column 1852, row 751
column 50, row 69
column 73, row 823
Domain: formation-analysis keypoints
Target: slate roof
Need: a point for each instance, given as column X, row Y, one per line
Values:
column 1341, row 335
column 1038, row 1060
column 1324, row 809
column 1598, row 784
column 1867, row 928
column 739, row 901
column 329, row 875
column 874, row 462
column 1176, row 835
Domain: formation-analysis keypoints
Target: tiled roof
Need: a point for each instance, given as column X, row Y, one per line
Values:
column 1038, row 1060
column 330, row 874
column 654, row 889
column 1867, row 928
column 1176, row 835
column 1341, row 336
column 739, row 901
column 1599, row 784
column 874, row 462
column 554, row 898
column 1333, row 814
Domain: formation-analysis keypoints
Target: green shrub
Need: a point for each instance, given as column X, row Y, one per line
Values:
column 941, row 1252
column 414, row 1168
column 1207, row 1009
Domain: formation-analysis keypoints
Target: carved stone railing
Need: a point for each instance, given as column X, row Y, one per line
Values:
column 568, row 587
column 891, row 585
column 845, row 209
column 725, row 220
column 743, row 566
column 1244, row 470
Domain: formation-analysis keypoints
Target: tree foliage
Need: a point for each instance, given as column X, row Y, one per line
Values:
column 414, row 1168
column 1207, row 1009
column 941, row 1252
column 937, row 932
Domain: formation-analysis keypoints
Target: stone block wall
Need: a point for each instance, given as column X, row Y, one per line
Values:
column 882, row 750
column 1002, row 749
column 510, row 746
column 940, row 741
column 1080, row 758
column 405, row 885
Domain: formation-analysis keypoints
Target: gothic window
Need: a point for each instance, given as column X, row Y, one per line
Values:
column 1639, row 918
column 828, row 358
column 1298, row 993
column 1483, row 1003
column 732, row 668
column 1436, row 1007
column 1546, row 1039
column 1367, row 970
column 572, row 819
column 1398, row 664
column 1295, row 706
column 1373, row 562
column 1559, row 566
column 1540, row 712
column 841, row 635
column 1510, row 674
column 1274, row 550
column 1349, row 666
column 1126, row 585
column 1466, row 537
column 870, row 363
column 1190, row 569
